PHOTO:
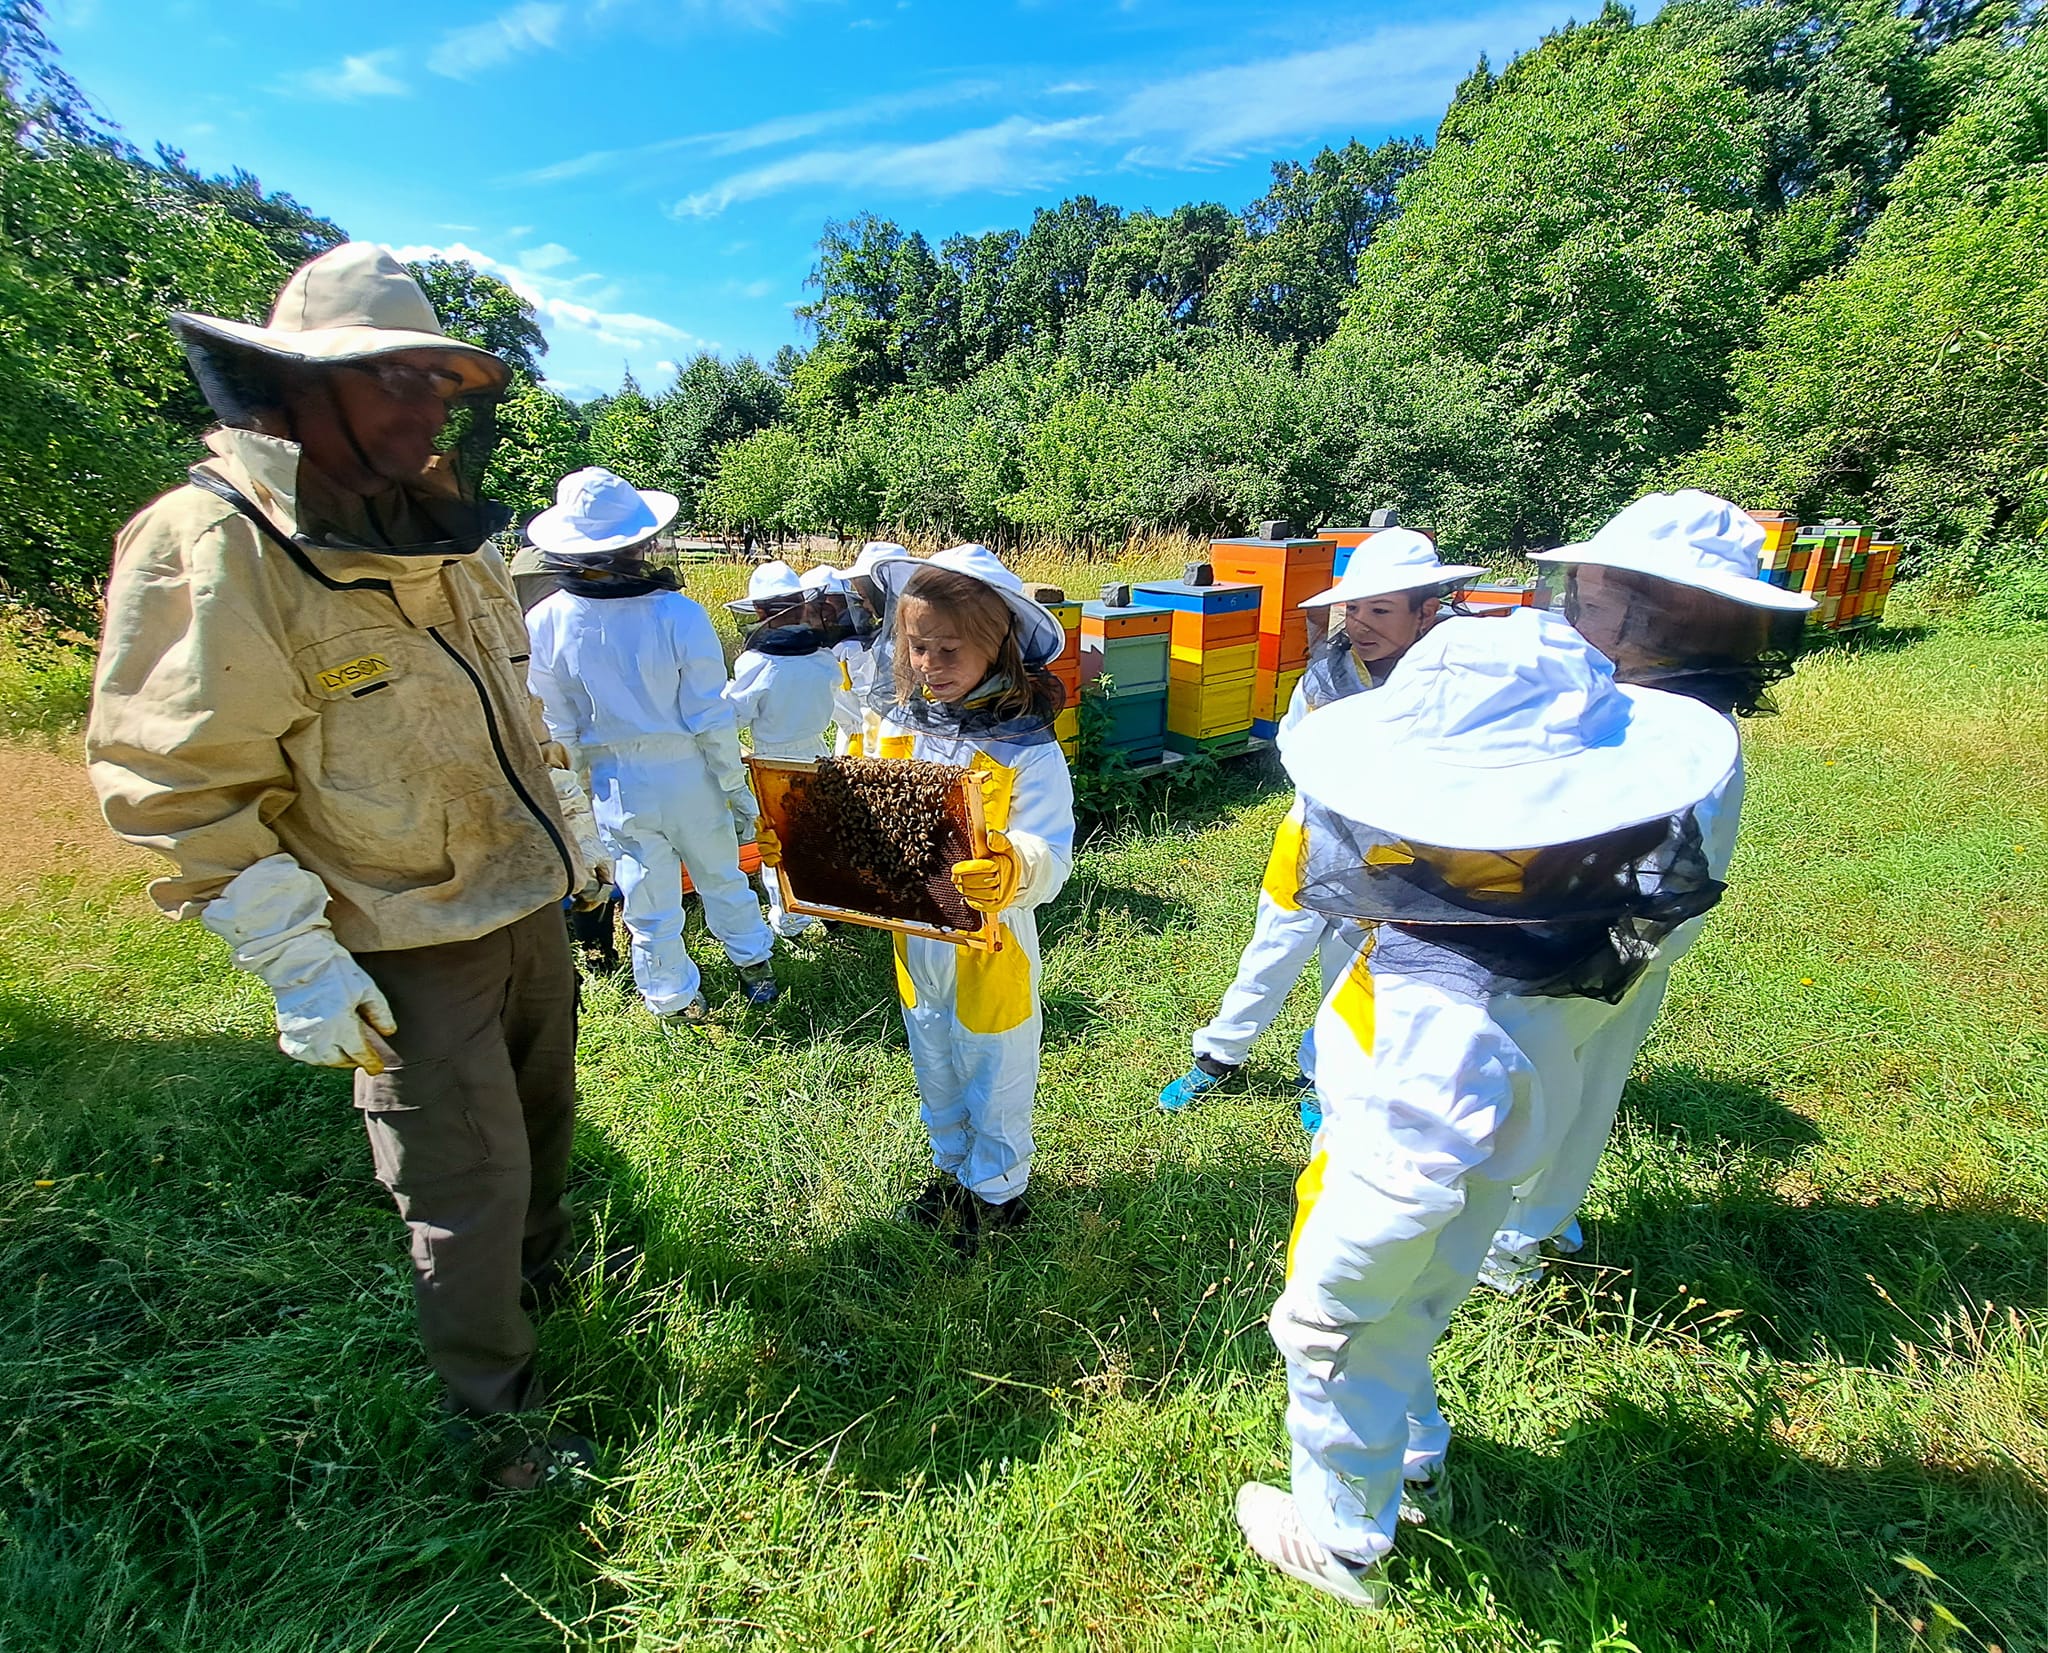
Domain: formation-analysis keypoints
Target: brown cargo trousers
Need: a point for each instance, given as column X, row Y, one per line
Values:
column 470, row 1125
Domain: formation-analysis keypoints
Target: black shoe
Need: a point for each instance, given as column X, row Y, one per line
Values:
column 943, row 1203
column 757, row 981
column 1000, row 1219
column 554, row 1283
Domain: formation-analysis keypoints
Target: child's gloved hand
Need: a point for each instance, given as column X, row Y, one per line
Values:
column 767, row 843
column 990, row 885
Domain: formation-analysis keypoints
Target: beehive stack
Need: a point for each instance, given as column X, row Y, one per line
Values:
column 1213, row 668
column 1287, row 572
column 1123, row 658
column 1843, row 567
column 1067, row 668
column 1342, row 542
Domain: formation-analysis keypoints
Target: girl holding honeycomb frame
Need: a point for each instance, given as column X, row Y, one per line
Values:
column 960, row 680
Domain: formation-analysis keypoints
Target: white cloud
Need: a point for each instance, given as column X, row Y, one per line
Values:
column 768, row 134
column 1393, row 75
column 361, row 76
column 574, row 304
column 527, row 28
column 546, row 257
column 1013, row 154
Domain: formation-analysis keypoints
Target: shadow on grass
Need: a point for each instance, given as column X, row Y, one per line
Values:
column 905, row 1360
column 1697, row 1529
column 1707, row 1110
column 1880, row 639
column 1826, row 1278
column 1090, row 903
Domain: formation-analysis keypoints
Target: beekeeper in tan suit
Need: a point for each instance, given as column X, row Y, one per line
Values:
column 312, row 699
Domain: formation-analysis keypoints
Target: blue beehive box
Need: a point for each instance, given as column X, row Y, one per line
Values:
column 1197, row 599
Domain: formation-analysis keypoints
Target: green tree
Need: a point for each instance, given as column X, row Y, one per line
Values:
column 711, row 404
column 1298, row 262
column 542, row 439
column 752, row 483
column 625, row 435
column 293, row 232
column 97, row 410
column 1909, row 387
column 480, row 309
column 1582, row 236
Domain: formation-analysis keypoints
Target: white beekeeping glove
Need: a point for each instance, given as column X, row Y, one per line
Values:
column 576, row 815
column 274, row 917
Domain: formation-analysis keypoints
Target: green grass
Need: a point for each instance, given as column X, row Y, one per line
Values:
column 1809, row 1336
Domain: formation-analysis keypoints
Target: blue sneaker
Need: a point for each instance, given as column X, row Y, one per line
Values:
column 1311, row 1112
column 1197, row 1081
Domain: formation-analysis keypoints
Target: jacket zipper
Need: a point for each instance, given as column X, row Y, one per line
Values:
column 504, row 761
column 233, row 496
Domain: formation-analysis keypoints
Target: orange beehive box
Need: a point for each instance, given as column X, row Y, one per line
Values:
column 1288, row 650
column 1285, row 571
column 1197, row 634
column 1127, row 622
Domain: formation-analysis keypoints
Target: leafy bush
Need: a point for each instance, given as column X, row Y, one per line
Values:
column 45, row 676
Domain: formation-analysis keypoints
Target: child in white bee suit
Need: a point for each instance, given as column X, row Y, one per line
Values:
column 1669, row 590
column 1515, row 831
column 1389, row 595
column 630, row 677
column 856, row 650
column 961, row 680
column 781, row 690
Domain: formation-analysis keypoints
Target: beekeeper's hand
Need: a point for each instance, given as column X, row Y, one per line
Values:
column 990, row 884
column 767, row 843
column 274, row 917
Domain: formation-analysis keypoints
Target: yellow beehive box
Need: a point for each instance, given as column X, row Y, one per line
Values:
column 1212, row 706
column 1234, row 661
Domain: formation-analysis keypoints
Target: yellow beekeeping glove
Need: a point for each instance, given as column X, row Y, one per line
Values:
column 767, row 843
column 990, row 885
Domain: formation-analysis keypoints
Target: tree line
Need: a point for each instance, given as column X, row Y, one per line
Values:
column 1788, row 249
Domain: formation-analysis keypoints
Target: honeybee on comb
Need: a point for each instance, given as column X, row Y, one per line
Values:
column 879, row 835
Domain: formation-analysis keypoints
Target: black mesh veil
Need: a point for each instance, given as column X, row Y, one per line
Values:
column 1662, row 634
column 443, row 511
column 1580, row 919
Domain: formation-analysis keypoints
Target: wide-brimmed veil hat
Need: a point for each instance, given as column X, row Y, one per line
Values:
column 1504, row 734
column 352, row 304
column 597, row 513
column 873, row 552
column 1690, row 537
column 1392, row 561
column 771, row 582
column 1042, row 637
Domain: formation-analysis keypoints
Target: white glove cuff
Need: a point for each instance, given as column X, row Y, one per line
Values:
column 264, row 905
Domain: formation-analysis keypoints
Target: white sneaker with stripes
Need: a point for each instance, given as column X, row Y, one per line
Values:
column 1272, row 1525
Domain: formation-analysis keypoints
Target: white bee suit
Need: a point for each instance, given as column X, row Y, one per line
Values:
column 1434, row 797
column 856, row 670
column 1582, row 1119
column 633, row 688
column 972, row 1017
column 1432, row 1112
column 1285, row 936
column 784, row 702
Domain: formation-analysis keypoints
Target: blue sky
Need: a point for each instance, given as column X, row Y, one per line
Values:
column 653, row 174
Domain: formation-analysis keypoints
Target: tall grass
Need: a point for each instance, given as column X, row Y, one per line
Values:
column 1794, row 1395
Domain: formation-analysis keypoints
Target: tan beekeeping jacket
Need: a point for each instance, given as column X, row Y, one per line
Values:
column 365, row 713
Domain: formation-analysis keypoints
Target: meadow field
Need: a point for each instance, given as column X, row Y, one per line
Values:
column 1794, row 1394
